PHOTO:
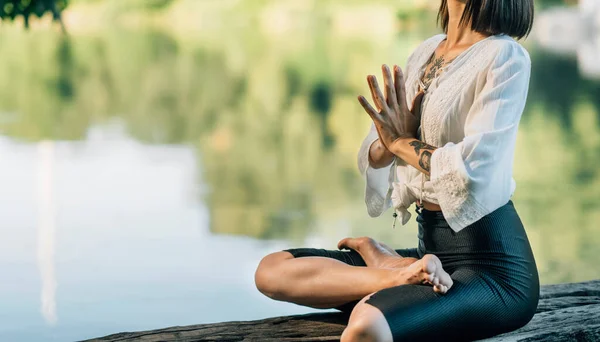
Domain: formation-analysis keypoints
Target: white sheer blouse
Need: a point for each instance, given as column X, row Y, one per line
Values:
column 471, row 112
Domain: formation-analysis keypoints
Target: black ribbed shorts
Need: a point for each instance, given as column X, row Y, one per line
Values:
column 496, row 284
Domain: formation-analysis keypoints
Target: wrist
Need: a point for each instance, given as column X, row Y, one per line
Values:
column 385, row 150
column 399, row 144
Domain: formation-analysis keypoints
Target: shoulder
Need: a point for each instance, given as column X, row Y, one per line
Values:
column 506, row 69
column 500, row 59
column 505, row 49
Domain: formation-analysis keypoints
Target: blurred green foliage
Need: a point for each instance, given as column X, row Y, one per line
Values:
column 407, row 11
column 275, row 124
column 10, row 9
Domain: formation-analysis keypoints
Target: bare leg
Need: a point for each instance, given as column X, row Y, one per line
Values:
column 367, row 323
column 325, row 282
column 378, row 254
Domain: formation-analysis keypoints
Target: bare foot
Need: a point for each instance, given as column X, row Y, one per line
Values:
column 437, row 277
column 427, row 270
column 375, row 254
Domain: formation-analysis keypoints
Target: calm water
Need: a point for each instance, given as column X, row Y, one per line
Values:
column 144, row 174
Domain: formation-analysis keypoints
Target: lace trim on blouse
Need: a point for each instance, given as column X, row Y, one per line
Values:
column 463, row 194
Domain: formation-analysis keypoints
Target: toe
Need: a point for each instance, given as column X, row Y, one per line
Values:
column 343, row 243
column 441, row 289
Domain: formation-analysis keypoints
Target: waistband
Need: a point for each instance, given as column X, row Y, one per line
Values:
column 437, row 219
column 431, row 218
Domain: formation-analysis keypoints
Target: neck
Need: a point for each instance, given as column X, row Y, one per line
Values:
column 457, row 34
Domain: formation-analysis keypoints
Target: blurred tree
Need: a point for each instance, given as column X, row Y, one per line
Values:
column 10, row 9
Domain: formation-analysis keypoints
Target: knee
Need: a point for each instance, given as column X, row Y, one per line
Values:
column 359, row 331
column 267, row 274
column 370, row 326
column 527, row 314
column 363, row 329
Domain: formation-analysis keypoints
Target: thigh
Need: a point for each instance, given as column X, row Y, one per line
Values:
column 472, row 309
column 350, row 257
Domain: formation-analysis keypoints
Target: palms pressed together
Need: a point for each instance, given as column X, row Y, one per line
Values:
column 394, row 121
column 392, row 118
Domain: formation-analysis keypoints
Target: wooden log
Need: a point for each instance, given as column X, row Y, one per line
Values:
column 566, row 312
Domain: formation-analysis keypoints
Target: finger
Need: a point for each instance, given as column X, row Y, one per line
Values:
column 368, row 108
column 400, row 86
column 390, row 90
column 373, row 94
column 376, row 92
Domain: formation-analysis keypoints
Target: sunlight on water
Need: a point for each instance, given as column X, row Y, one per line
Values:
column 145, row 173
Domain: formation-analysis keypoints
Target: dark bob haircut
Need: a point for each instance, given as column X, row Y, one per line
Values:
column 511, row 17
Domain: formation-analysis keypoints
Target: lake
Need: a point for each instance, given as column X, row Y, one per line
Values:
column 145, row 172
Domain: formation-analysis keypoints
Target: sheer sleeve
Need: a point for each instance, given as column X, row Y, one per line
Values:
column 378, row 181
column 473, row 177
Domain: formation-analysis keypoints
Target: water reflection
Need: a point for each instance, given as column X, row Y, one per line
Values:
column 278, row 138
column 123, row 242
column 177, row 164
column 47, row 231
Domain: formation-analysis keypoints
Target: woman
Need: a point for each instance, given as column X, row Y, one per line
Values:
column 473, row 274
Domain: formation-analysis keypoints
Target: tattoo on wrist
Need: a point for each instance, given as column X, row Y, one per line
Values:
column 424, row 151
column 425, row 161
column 419, row 145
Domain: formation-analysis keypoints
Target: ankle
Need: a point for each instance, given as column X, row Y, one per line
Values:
column 395, row 277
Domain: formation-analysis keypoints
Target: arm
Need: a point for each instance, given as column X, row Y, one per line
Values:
column 374, row 159
column 377, row 176
column 379, row 155
column 414, row 152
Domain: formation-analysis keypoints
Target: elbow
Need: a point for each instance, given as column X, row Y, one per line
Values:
column 380, row 164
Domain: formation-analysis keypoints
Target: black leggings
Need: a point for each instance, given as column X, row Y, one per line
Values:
column 496, row 283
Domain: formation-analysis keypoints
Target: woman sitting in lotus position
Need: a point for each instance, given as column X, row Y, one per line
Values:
column 473, row 273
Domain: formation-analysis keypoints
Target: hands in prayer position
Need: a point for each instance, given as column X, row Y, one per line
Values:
column 396, row 124
column 393, row 119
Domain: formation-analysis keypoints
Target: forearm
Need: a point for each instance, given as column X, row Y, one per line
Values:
column 379, row 155
column 414, row 152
